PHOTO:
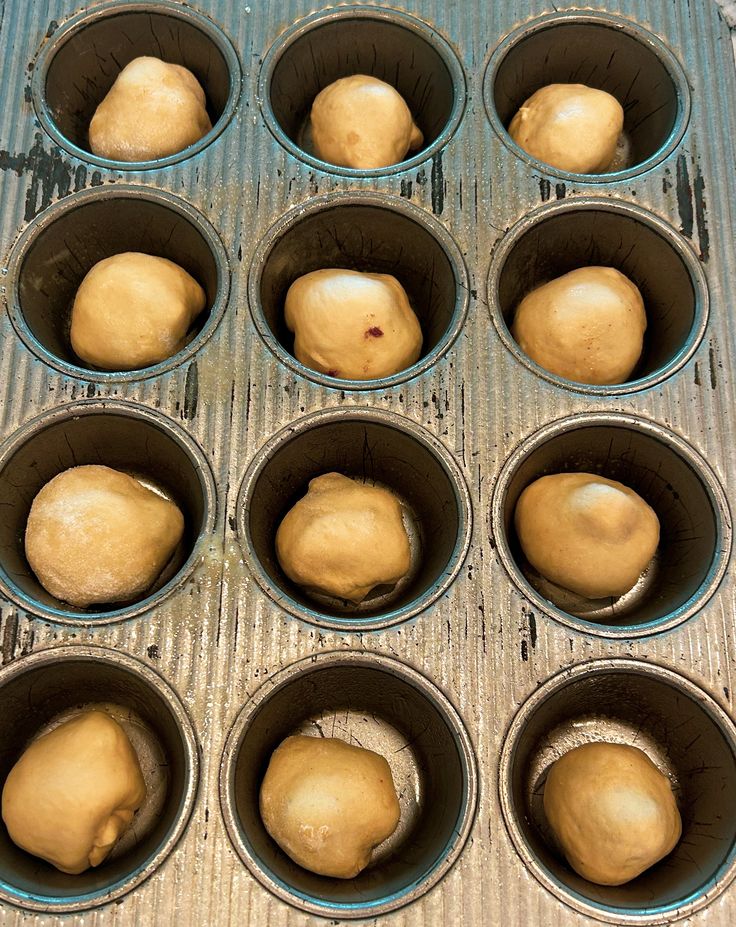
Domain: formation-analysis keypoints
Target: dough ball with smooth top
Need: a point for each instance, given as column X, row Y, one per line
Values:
column 570, row 126
column 328, row 804
column 344, row 538
column 97, row 535
column 153, row 109
column 612, row 811
column 73, row 792
column 589, row 534
column 587, row 325
column 352, row 325
column 133, row 310
column 362, row 122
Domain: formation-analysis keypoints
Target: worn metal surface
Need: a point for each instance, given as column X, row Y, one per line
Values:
column 219, row 636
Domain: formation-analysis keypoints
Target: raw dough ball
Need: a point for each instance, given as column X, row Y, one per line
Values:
column 344, row 538
column 133, row 310
column 588, row 534
column 612, row 811
column 153, row 109
column 587, row 325
column 73, row 792
column 353, row 325
column 570, row 126
column 97, row 535
column 362, row 122
column 328, row 804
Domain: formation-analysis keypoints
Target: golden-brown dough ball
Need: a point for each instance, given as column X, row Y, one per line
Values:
column 328, row 804
column 362, row 122
column 612, row 811
column 133, row 310
column 586, row 533
column 97, row 535
column 73, row 792
column 352, row 325
column 344, row 538
column 153, row 109
column 587, row 325
column 570, row 126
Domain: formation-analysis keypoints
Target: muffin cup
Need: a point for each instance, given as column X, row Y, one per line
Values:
column 695, row 522
column 602, row 51
column 121, row 435
column 555, row 239
column 35, row 691
column 373, row 446
column 383, row 43
column 682, row 730
column 385, row 706
column 371, row 233
column 55, row 252
column 77, row 67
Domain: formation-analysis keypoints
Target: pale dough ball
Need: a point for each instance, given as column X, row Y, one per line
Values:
column 328, row 804
column 133, row 310
column 353, row 325
column 97, row 535
column 570, row 126
column 153, row 109
column 73, row 792
column 362, row 122
column 587, row 325
column 344, row 538
column 586, row 533
column 612, row 811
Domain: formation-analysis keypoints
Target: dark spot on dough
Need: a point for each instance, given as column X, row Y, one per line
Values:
column 374, row 332
column 332, row 373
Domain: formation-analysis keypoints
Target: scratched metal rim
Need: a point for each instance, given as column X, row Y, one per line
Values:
column 679, row 245
column 670, row 443
column 390, row 203
column 61, row 210
column 174, row 435
column 436, row 699
column 413, row 25
column 683, row 688
column 605, row 20
column 81, row 21
column 117, row 659
column 430, row 445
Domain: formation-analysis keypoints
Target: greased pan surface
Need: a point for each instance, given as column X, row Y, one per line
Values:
column 477, row 653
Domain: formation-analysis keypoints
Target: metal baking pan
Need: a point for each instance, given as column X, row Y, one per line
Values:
column 475, row 674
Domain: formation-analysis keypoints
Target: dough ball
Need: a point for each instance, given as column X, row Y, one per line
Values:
column 352, row 325
column 97, row 535
column 586, row 326
column 588, row 534
column 73, row 792
column 133, row 310
column 344, row 538
column 328, row 804
column 153, row 109
column 362, row 122
column 570, row 126
column 612, row 811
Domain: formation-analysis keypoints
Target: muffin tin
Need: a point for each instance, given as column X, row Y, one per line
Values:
column 475, row 674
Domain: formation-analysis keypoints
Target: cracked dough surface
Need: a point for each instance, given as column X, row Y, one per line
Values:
column 344, row 538
column 587, row 325
column 612, row 811
column 153, row 109
column 586, row 533
column 352, row 325
column 570, row 126
column 328, row 804
column 73, row 792
column 362, row 122
column 133, row 310
column 97, row 535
